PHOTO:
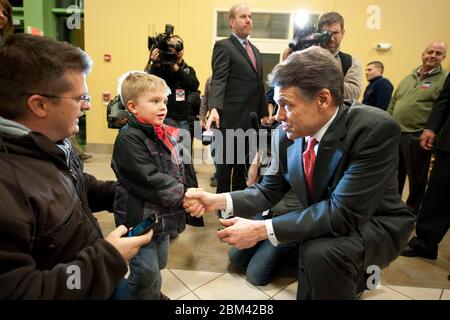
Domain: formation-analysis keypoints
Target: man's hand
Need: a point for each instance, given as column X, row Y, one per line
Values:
column 127, row 247
column 242, row 233
column 427, row 139
column 286, row 54
column 197, row 202
column 213, row 117
column 268, row 120
column 154, row 56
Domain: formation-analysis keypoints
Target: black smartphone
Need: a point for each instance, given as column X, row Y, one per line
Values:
column 142, row 227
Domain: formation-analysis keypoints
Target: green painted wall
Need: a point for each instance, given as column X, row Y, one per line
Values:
column 38, row 14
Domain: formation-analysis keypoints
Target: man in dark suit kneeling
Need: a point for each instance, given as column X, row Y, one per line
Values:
column 341, row 162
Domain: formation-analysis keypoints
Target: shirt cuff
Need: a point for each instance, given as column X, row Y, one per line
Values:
column 272, row 238
column 228, row 212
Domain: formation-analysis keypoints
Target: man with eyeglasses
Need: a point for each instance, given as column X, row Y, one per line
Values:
column 334, row 22
column 51, row 246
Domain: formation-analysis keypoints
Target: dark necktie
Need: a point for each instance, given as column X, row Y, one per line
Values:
column 250, row 54
column 309, row 158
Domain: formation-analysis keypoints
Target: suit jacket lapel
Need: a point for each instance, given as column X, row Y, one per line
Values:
column 295, row 170
column 241, row 48
column 329, row 154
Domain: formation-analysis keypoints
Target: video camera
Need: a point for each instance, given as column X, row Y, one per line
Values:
column 309, row 36
column 161, row 42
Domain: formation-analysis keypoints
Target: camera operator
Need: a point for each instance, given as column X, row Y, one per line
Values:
column 351, row 68
column 181, row 79
column 334, row 22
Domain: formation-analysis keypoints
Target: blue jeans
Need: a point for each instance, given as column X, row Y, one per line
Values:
column 262, row 260
column 121, row 291
column 144, row 282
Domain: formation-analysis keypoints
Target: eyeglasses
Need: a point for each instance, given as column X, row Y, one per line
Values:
column 84, row 98
column 5, row 13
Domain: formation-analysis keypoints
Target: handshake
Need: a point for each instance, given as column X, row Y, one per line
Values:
column 239, row 232
column 197, row 202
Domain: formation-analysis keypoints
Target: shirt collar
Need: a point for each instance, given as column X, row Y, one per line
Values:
column 421, row 74
column 241, row 40
column 319, row 134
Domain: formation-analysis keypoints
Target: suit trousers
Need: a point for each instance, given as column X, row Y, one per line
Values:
column 231, row 172
column 434, row 218
column 331, row 268
column 263, row 260
column 414, row 162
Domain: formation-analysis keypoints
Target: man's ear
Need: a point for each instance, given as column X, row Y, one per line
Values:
column 324, row 99
column 37, row 105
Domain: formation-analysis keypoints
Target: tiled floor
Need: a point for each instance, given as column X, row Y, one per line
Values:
column 198, row 263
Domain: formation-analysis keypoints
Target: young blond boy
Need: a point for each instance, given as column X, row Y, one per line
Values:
column 150, row 178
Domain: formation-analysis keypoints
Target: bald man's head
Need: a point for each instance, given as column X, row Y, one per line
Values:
column 433, row 55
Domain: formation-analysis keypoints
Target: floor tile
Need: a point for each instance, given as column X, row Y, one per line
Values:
column 189, row 296
column 417, row 293
column 289, row 293
column 276, row 286
column 446, row 295
column 198, row 249
column 171, row 286
column 195, row 279
column 230, row 287
column 384, row 293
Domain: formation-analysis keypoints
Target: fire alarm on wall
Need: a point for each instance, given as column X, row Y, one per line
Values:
column 107, row 57
column 106, row 96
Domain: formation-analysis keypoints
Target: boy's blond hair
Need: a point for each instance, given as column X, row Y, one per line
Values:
column 134, row 83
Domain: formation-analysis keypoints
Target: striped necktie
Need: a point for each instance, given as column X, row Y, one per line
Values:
column 250, row 54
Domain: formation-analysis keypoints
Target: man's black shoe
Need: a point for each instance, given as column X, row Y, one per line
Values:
column 413, row 249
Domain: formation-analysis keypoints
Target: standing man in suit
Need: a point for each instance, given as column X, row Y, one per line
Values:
column 434, row 215
column 341, row 163
column 237, row 90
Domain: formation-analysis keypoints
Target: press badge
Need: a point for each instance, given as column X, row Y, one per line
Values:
column 180, row 95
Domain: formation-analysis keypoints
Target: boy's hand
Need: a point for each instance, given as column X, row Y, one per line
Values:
column 127, row 247
column 197, row 202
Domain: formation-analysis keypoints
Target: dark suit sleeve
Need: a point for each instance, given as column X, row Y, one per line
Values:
column 220, row 68
column 368, row 168
column 440, row 111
